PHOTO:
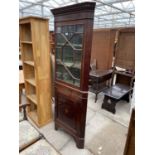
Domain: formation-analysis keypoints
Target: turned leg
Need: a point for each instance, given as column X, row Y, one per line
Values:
column 109, row 104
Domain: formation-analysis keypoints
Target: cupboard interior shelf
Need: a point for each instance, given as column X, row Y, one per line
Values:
column 33, row 98
column 31, row 81
column 31, row 63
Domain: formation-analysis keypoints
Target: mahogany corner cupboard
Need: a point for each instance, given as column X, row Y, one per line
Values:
column 73, row 32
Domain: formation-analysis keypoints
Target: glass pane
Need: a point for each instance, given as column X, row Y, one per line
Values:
column 67, row 54
column 58, row 29
column 76, row 41
column 59, row 71
column 60, row 40
column 79, row 28
column 58, row 53
column 69, row 41
column 67, row 78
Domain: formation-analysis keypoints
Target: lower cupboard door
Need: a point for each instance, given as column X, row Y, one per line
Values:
column 67, row 111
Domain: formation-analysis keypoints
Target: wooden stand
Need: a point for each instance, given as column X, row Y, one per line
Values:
column 34, row 40
column 73, row 33
column 114, row 94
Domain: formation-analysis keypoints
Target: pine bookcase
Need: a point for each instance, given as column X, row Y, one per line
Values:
column 35, row 53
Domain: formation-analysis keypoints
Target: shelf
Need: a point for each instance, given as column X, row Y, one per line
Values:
column 33, row 115
column 33, row 98
column 69, row 64
column 25, row 32
column 27, row 52
column 31, row 81
column 31, row 63
column 26, row 42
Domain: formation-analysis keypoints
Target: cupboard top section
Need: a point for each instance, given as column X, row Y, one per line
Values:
column 79, row 11
column 28, row 19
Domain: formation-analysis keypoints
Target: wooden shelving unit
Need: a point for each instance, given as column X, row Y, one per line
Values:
column 35, row 53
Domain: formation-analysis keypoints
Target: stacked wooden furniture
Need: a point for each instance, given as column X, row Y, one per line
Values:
column 125, row 49
column 73, row 38
column 124, row 70
column 34, row 40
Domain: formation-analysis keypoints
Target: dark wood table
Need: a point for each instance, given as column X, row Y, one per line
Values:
column 114, row 94
column 99, row 80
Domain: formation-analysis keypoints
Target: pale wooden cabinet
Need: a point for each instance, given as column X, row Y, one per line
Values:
column 35, row 50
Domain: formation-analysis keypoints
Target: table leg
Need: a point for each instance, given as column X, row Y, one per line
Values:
column 109, row 104
column 96, row 97
column 126, row 97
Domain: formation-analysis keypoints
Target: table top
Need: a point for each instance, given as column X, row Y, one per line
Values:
column 21, row 77
column 100, row 73
column 124, row 73
column 117, row 91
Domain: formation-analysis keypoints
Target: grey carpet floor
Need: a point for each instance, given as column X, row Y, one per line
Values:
column 109, row 141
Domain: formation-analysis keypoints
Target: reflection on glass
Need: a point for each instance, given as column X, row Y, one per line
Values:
column 79, row 28
column 76, row 41
column 58, row 53
column 58, row 29
column 61, row 40
column 67, row 54
column 69, row 41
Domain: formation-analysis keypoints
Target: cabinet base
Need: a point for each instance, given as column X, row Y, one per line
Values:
column 79, row 140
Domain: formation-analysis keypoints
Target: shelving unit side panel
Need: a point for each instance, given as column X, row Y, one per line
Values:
column 45, row 106
column 41, row 48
